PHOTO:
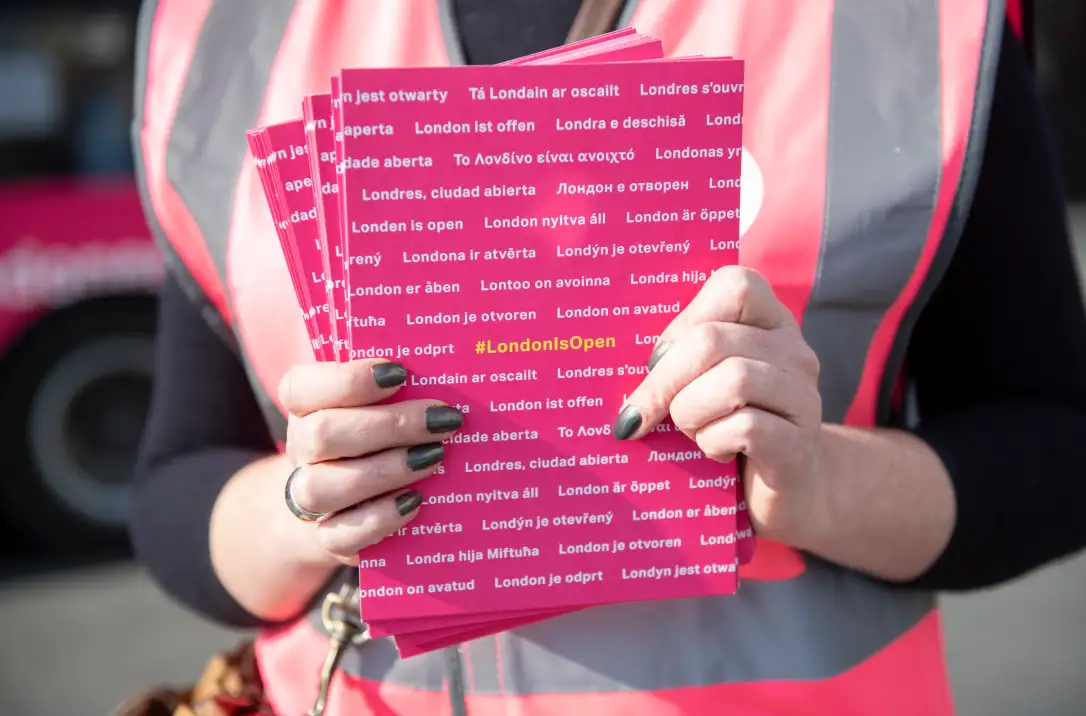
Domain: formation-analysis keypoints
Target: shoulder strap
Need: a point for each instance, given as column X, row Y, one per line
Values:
column 594, row 18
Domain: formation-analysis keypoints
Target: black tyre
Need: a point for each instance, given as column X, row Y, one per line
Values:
column 73, row 401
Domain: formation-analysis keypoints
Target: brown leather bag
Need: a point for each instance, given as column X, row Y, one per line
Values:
column 229, row 686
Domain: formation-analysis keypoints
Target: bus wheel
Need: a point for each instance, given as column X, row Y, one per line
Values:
column 74, row 400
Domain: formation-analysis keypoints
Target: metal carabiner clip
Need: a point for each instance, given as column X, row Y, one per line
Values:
column 342, row 632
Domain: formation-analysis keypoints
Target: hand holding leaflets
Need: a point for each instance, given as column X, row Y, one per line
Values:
column 496, row 251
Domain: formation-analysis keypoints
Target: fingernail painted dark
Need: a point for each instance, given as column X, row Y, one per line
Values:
column 657, row 353
column 408, row 502
column 421, row 457
column 627, row 423
column 389, row 375
column 443, row 418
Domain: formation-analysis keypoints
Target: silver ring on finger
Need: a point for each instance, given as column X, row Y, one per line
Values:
column 297, row 510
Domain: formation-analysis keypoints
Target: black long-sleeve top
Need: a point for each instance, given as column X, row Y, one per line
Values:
column 998, row 359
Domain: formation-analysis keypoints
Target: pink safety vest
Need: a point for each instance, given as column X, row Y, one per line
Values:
column 864, row 126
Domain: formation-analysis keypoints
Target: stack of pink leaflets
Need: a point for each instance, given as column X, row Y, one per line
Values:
column 518, row 236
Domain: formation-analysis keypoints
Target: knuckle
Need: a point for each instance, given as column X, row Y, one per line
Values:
column 683, row 417
column 683, row 414
column 808, row 360
column 390, row 423
column 385, row 471
column 814, row 406
column 713, row 448
column 371, row 523
column 380, row 522
column 703, row 342
column 739, row 379
column 745, row 428
column 724, row 275
column 378, row 470
column 409, row 421
column 754, row 278
column 315, row 431
column 750, row 281
column 344, row 380
column 736, row 279
column 400, row 421
column 741, row 287
column 653, row 396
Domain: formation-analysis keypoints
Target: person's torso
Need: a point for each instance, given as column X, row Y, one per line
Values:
column 862, row 132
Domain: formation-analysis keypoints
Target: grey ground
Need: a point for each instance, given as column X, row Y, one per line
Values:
column 76, row 643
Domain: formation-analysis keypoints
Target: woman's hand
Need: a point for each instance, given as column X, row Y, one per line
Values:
column 736, row 376
column 356, row 457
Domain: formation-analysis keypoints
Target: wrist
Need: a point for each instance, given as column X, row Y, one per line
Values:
column 814, row 517
column 876, row 500
column 803, row 515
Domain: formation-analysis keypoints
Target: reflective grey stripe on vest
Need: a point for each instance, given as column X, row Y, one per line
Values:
column 222, row 98
column 177, row 268
column 884, row 112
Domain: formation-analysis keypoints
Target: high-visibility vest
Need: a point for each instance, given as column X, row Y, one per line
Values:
column 864, row 123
